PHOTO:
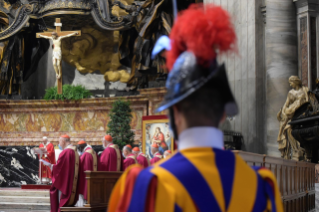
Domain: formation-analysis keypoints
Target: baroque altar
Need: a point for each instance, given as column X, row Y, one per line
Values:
column 116, row 41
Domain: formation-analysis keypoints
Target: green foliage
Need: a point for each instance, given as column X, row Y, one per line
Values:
column 70, row 92
column 119, row 126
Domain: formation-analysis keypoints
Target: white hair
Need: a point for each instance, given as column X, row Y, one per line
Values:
column 45, row 138
column 127, row 148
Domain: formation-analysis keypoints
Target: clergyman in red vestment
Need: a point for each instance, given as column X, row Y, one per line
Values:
column 130, row 158
column 156, row 155
column 110, row 159
column 88, row 162
column 49, row 157
column 141, row 158
column 64, row 176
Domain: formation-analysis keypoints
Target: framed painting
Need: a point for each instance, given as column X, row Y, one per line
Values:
column 156, row 130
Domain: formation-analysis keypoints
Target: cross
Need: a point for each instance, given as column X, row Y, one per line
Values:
column 57, row 47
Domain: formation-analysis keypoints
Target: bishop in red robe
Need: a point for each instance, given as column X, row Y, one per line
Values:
column 110, row 159
column 88, row 162
column 49, row 157
column 156, row 155
column 141, row 158
column 64, row 176
column 130, row 158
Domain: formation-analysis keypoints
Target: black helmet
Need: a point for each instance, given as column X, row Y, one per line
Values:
column 187, row 76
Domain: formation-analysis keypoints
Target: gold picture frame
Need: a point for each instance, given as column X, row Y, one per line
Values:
column 150, row 133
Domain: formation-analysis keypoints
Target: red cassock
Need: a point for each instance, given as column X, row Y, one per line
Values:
column 45, row 170
column 157, row 157
column 110, row 159
column 143, row 160
column 88, row 162
column 129, row 160
column 64, row 179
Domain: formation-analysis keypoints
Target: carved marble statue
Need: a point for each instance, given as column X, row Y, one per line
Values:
column 297, row 96
column 57, row 52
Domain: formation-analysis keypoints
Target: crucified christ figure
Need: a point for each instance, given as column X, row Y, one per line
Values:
column 57, row 51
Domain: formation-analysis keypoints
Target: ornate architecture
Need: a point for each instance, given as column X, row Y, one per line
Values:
column 116, row 42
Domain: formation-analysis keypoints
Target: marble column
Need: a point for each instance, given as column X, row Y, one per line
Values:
column 281, row 62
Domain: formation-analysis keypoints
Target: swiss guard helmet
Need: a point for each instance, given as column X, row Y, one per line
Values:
column 198, row 35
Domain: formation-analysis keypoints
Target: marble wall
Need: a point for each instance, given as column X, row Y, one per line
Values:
column 281, row 62
column 20, row 166
column 24, row 123
column 246, row 71
column 267, row 46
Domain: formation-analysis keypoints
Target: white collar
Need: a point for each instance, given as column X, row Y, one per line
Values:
column 45, row 145
column 87, row 146
column 201, row 137
column 156, row 153
column 67, row 146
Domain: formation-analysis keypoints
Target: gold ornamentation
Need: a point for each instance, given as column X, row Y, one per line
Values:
column 70, row 4
column 62, row 4
column 7, row 6
column 87, row 54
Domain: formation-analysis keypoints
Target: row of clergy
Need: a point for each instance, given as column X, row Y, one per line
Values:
column 69, row 186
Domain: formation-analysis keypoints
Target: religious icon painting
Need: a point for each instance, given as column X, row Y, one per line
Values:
column 156, row 130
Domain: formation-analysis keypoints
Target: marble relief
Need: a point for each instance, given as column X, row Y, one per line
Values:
column 25, row 122
column 53, row 122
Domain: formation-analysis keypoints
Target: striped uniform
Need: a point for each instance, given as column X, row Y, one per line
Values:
column 197, row 179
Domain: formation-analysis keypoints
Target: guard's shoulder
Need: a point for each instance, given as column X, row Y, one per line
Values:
column 265, row 173
column 132, row 172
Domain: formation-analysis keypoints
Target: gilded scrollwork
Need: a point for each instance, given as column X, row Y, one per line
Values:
column 18, row 23
column 107, row 23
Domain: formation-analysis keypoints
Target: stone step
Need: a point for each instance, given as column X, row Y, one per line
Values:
column 20, row 210
column 17, row 199
column 24, row 206
column 25, row 193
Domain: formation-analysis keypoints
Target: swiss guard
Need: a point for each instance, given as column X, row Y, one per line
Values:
column 200, row 176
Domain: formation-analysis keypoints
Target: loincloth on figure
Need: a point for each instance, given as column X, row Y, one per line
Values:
column 57, row 55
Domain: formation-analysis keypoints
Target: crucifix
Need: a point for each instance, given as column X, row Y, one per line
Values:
column 56, row 37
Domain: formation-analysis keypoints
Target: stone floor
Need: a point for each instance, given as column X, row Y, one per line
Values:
column 317, row 197
column 15, row 199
